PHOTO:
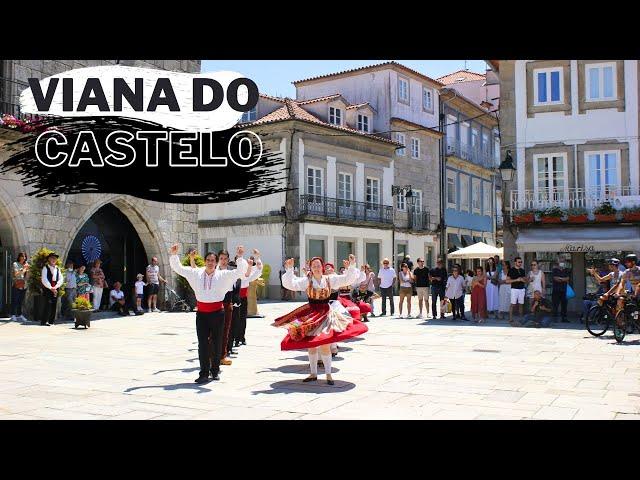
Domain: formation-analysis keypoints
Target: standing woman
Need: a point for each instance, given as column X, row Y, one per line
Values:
column 536, row 279
column 479, row 296
column 406, row 279
column 83, row 284
column 19, row 287
column 99, row 284
column 492, row 288
column 505, row 290
column 320, row 322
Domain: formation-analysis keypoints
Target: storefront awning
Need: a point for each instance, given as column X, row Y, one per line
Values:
column 579, row 239
column 454, row 241
column 467, row 240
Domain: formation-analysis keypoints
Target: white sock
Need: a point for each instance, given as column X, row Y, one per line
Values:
column 313, row 361
column 326, row 359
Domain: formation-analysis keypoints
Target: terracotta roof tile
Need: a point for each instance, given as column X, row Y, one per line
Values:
column 318, row 99
column 461, row 76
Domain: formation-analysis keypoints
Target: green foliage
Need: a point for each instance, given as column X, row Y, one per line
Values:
column 576, row 211
column 266, row 271
column 37, row 262
column 553, row 212
column 182, row 282
column 605, row 209
column 82, row 303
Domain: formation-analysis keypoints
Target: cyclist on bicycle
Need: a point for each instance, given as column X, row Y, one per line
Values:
column 631, row 275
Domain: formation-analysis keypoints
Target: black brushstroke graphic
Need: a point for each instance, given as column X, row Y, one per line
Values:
column 194, row 185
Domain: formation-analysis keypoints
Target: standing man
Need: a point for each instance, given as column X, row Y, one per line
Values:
column 210, row 286
column 52, row 280
column 244, row 292
column 421, row 273
column 517, row 279
column 438, row 277
column 153, row 284
column 223, row 264
column 559, row 293
column 387, row 276
column 70, row 290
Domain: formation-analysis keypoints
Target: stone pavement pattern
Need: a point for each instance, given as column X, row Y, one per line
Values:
column 144, row 368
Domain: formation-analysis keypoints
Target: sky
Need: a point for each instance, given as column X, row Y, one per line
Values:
column 274, row 77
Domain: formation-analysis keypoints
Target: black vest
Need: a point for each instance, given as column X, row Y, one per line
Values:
column 50, row 276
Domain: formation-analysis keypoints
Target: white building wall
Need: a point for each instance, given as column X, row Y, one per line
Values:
column 416, row 245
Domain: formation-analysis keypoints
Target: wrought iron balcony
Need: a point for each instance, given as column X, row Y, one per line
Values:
column 339, row 209
column 588, row 198
column 419, row 221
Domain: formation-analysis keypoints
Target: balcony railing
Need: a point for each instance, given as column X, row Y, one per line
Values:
column 419, row 221
column 10, row 97
column 339, row 209
column 588, row 198
column 479, row 156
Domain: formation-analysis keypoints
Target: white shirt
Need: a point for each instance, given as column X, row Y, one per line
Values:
column 386, row 276
column 209, row 288
column 152, row 273
column 70, row 278
column 255, row 273
column 361, row 279
column 57, row 276
column 455, row 287
column 300, row 284
column 405, row 280
column 139, row 287
column 115, row 295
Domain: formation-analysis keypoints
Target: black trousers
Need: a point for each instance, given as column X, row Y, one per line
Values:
column 436, row 291
column 387, row 292
column 209, row 324
column 559, row 299
column 17, row 297
column 457, row 307
column 49, row 311
column 242, row 327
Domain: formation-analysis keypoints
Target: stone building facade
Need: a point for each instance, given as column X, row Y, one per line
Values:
column 28, row 223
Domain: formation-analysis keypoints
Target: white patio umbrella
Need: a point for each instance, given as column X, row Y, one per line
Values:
column 477, row 250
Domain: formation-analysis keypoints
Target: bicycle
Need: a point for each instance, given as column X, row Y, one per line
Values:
column 627, row 320
column 600, row 316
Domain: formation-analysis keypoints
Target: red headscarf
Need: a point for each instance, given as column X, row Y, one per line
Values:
column 329, row 265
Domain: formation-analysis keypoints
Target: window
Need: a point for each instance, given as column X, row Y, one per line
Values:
column 602, row 171
column 427, row 99
column 486, row 201
column 475, row 195
column 213, row 247
column 417, row 200
column 464, row 192
column 250, row 116
column 474, row 138
column 451, row 189
column 363, row 123
column 415, row 148
column 373, row 192
column 547, row 86
column 400, row 138
column 550, row 173
column 335, row 116
column 400, row 201
column 403, row 90
column 345, row 190
column 314, row 181
column 372, row 255
column 315, row 248
column 600, row 81
column 343, row 250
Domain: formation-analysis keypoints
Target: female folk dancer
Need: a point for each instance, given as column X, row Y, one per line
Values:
column 321, row 322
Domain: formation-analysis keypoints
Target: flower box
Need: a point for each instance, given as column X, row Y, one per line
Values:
column 631, row 217
column 545, row 219
column 583, row 218
column 82, row 317
column 605, row 218
column 523, row 218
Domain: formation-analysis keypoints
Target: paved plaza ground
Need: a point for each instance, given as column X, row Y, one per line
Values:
column 144, row 368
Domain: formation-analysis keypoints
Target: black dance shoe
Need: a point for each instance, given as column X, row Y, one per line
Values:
column 202, row 379
column 310, row 379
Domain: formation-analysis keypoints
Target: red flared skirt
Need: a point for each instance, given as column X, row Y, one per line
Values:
column 356, row 310
column 316, row 312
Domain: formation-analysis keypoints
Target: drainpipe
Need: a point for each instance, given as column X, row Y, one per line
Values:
column 575, row 169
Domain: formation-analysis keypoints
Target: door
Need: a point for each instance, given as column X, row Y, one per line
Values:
column 602, row 176
column 551, row 187
column 314, row 191
column 345, row 195
column 372, row 255
column 343, row 250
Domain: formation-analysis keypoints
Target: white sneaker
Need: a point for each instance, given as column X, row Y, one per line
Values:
column 22, row 318
column 409, row 316
column 419, row 316
column 156, row 310
column 13, row 318
column 399, row 317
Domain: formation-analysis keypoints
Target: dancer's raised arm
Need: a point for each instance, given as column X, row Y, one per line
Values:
column 289, row 279
column 350, row 275
column 176, row 265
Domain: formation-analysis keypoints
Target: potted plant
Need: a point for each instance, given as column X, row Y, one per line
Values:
column 605, row 213
column 81, row 310
column 631, row 214
column 523, row 216
column 577, row 215
column 552, row 215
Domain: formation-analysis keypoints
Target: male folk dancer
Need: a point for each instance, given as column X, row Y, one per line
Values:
column 210, row 286
column 240, row 312
column 52, row 280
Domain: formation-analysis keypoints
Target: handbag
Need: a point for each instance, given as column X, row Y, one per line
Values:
column 570, row 292
column 19, row 283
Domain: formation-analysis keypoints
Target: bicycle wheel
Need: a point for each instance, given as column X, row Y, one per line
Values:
column 597, row 320
column 620, row 326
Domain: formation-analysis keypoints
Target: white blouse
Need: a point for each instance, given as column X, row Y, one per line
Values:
column 300, row 284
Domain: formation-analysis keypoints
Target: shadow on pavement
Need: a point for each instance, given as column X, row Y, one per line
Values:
column 302, row 369
column 178, row 386
column 183, row 370
column 297, row 386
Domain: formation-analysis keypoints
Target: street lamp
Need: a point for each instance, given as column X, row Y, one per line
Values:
column 408, row 195
column 506, row 168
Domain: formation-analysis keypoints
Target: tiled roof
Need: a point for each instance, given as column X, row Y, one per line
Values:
column 416, row 126
column 461, row 76
column 377, row 66
column 271, row 97
column 318, row 99
column 293, row 111
column 358, row 105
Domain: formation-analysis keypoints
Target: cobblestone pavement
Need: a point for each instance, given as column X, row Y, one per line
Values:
column 144, row 368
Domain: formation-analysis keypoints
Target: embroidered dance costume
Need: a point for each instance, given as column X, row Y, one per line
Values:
column 321, row 321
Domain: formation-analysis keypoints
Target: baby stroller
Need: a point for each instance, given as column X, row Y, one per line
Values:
column 175, row 303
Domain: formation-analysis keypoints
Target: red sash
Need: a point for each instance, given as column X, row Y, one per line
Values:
column 244, row 292
column 209, row 307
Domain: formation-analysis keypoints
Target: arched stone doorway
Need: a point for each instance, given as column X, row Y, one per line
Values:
column 110, row 236
column 12, row 240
